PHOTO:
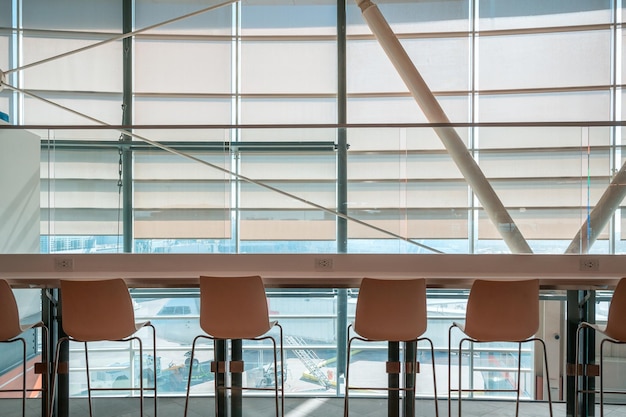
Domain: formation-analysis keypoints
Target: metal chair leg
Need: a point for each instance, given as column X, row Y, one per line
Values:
column 519, row 378
column 141, row 396
column 54, row 376
column 276, row 389
column 347, row 382
column 545, row 361
column 88, row 380
column 432, row 356
column 193, row 349
column 602, row 378
column 450, row 371
column 460, row 376
column 279, row 390
column 23, row 376
column 154, row 367
column 282, row 371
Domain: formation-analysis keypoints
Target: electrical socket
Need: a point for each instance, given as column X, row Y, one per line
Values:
column 63, row 264
column 324, row 264
column 589, row 264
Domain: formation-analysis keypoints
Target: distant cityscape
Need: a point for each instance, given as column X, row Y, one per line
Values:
column 114, row 244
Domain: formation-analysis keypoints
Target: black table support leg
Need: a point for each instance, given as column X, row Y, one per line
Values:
column 393, row 402
column 410, row 352
column 580, row 307
column 221, row 352
column 236, row 399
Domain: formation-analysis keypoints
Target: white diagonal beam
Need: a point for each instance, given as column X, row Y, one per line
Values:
column 600, row 215
column 449, row 137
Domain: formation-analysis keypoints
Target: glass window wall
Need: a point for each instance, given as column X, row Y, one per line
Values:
column 233, row 141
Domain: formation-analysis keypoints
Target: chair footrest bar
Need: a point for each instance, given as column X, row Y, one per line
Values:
column 122, row 389
column 483, row 390
column 351, row 388
column 614, row 392
column 234, row 388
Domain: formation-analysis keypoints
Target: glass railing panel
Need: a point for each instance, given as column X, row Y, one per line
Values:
column 403, row 193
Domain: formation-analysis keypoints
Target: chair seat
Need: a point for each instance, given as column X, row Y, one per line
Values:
column 234, row 308
column 505, row 311
column 102, row 310
column 502, row 311
column 392, row 310
column 11, row 331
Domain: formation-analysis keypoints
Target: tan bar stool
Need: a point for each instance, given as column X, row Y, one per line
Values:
column 11, row 331
column 499, row 311
column 614, row 332
column 236, row 308
column 392, row 310
column 98, row 311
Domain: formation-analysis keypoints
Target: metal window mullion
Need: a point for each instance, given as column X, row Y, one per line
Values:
column 15, row 60
column 616, row 132
column 472, row 213
column 127, row 119
column 235, row 154
column 342, row 186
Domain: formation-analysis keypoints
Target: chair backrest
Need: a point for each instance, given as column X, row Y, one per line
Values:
column 391, row 309
column 233, row 307
column 97, row 310
column 616, row 320
column 9, row 313
column 504, row 311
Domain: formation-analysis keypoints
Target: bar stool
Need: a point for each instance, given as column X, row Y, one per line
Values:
column 98, row 311
column 499, row 311
column 235, row 308
column 392, row 310
column 10, row 332
column 614, row 332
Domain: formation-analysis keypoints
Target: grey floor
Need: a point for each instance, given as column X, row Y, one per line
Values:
column 296, row 407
